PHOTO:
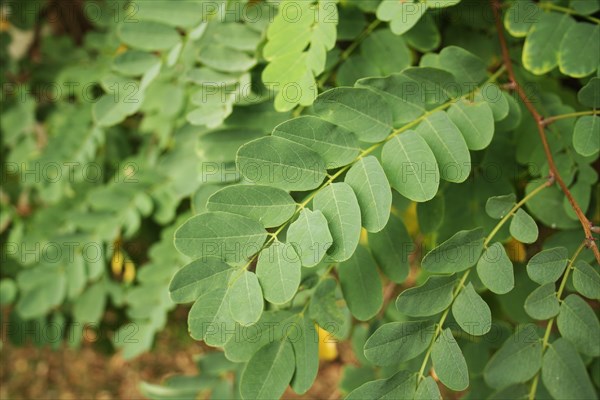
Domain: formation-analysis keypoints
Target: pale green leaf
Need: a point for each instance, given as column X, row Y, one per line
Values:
column 542, row 303
column 402, row 385
column 586, row 280
column 564, row 373
column 269, row 371
column 310, row 236
column 456, row 254
column 523, row 227
column 268, row 205
column 361, row 111
column 541, row 49
column 198, row 277
column 336, row 145
column 401, row 15
column 475, row 121
column 548, row 265
column 579, row 323
column 498, row 207
column 210, row 319
column 217, row 233
column 306, row 352
column 278, row 270
column 148, row 35
column 520, row 17
column 517, row 361
column 428, row 390
column 466, row 67
column 448, row 146
column 495, row 269
column 396, row 342
column 471, row 312
column 373, row 192
column 245, row 298
column 586, row 136
column 339, row 205
column 432, row 297
column 449, row 363
column 279, row 162
column 411, row 167
column 579, row 51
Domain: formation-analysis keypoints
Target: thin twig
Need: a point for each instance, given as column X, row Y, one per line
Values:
column 585, row 222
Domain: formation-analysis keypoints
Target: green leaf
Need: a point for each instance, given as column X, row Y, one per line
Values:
column 548, row 265
column 134, row 62
column 428, row 390
column 306, row 352
column 90, row 306
column 217, row 233
column 254, row 337
column 402, row 385
column 387, row 51
column 579, row 52
column 361, row 111
column 495, row 269
column 578, row 323
column 406, row 105
column 425, row 35
column 310, row 236
column 498, row 207
column 278, row 270
column 210, row 319
column 449, row 363
column 361, row 285
column 268, row 205
column 517, row 361
column 465, row 66
column 520, row 17
column 186, row 15
column 586, row 134
column 586, row 280
column 373, row 192
column 391, row 248
column 148, row 35
column 324, row 308
column 415, row 173
column 336, row 145
column 396, row 342
column 47, row 291
column 245, row 298
column 401, row 15
column 539, row 56
column 339, row 205
column 564, row 374
column 523, row 227
column 456, row 254
column 8, row 291
column 281, row 163
column 475, row 121
column 432, row 297
column 431, row 214
column 542, row 303
column 269, row 371
column 198, row 277
column 496, row 99
column 589, row 94
column 471, row 312
column 448, row 146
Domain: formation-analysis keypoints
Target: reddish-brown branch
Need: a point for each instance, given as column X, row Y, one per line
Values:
column 585, row 222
